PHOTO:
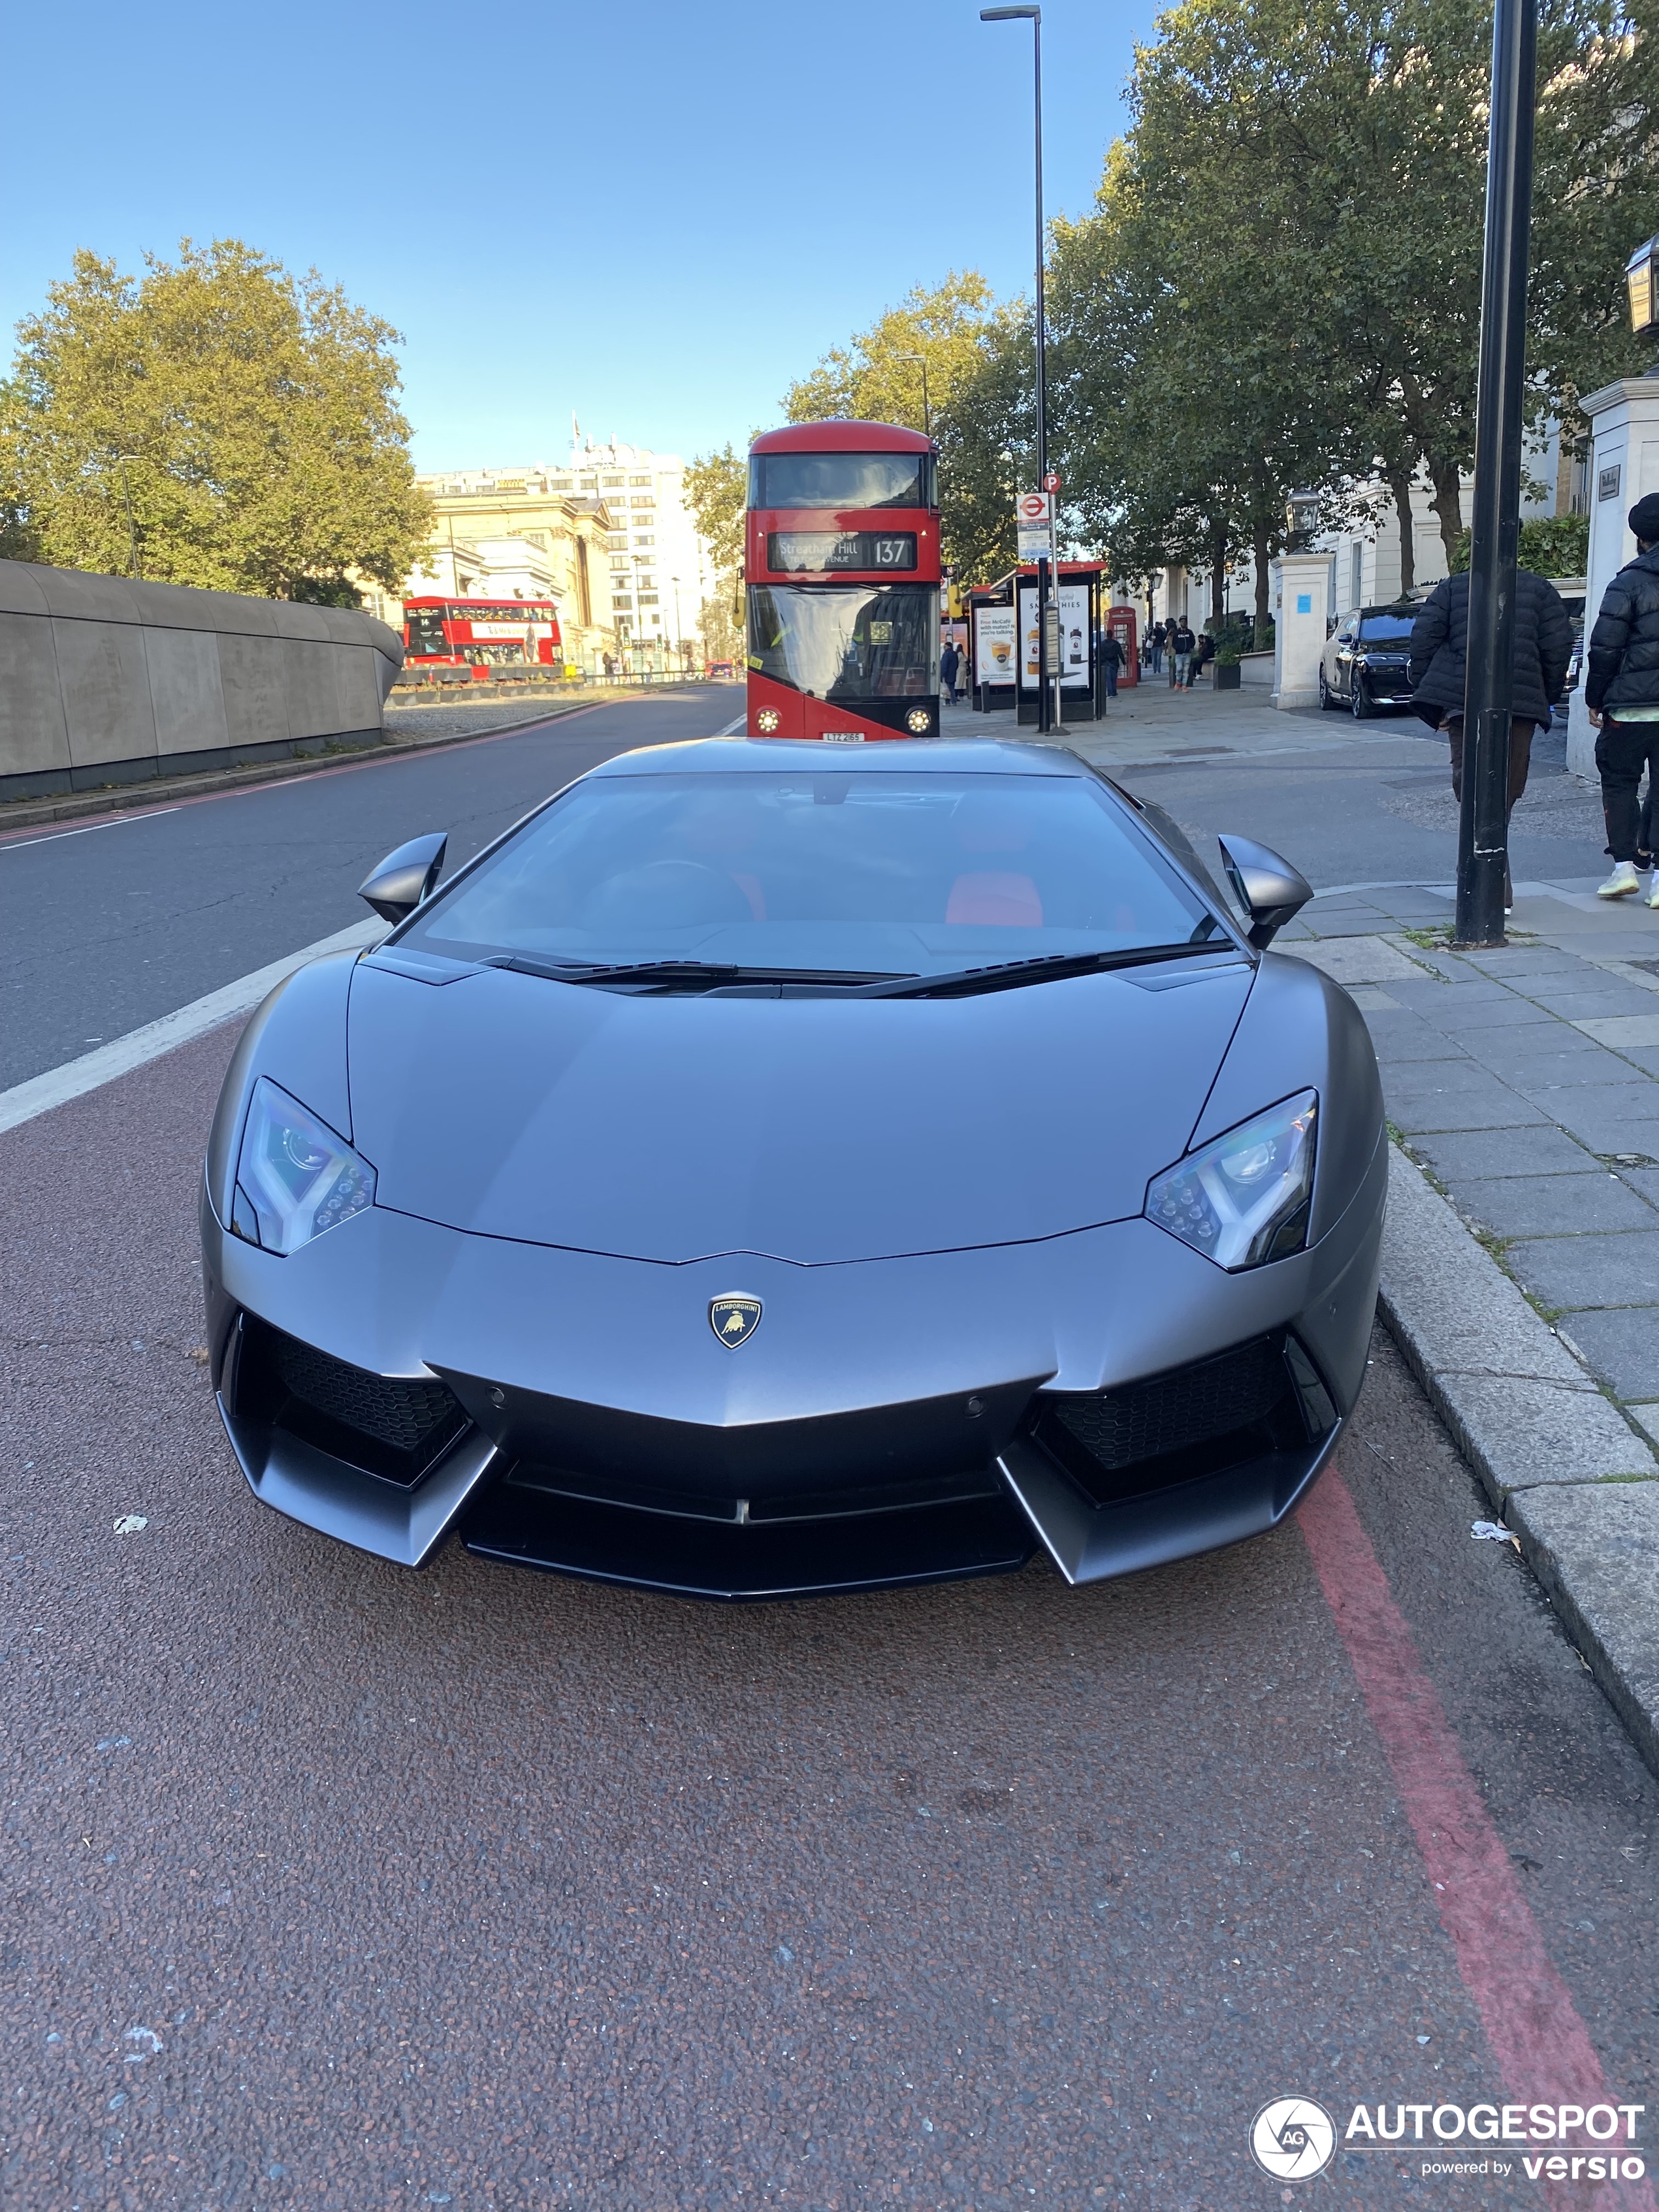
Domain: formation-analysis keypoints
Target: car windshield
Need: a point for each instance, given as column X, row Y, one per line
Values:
column 1386, row 629
column 870, row 873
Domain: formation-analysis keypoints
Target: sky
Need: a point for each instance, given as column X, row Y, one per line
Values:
column 654, row 215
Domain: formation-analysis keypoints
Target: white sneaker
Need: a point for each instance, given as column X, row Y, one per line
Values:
column 1621, row 883
column 1652, row 898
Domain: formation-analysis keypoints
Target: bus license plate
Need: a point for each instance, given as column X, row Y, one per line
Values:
column 843, row 737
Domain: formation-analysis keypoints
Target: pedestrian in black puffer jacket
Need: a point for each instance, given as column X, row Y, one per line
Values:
column 1621, row 693
column 1439, row 671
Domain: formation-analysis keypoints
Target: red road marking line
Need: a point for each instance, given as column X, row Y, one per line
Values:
column 1533, row 2028
column 41, row 833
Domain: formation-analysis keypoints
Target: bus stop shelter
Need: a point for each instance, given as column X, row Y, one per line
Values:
column 1002, row 621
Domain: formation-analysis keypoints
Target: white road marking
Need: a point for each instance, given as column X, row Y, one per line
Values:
column 94, row 1069
column 119, row 821
column 732, row 729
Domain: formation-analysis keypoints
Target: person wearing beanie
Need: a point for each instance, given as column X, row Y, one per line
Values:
column 1621, row 694
column 1439, row 672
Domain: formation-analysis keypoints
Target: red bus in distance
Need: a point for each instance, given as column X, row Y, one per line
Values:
column 481, row 633
column 843, row 565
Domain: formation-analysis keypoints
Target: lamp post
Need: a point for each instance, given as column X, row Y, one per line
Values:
column 132, row 528
column 920, row 361
column 1483, row 827
column 1034, row 17
column 679, row 642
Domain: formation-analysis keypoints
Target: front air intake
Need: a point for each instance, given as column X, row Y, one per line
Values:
column 1260, row 1397
column 396, row 1426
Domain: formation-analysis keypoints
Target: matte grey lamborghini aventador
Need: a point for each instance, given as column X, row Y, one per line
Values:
column 767, row 1170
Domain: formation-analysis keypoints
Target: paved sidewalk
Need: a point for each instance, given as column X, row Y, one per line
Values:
column 1525, row 1084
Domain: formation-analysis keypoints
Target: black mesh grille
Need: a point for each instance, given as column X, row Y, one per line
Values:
column 1198, row 1421
column 1149, row 1419
column 393, row 1409
column 393, row 1426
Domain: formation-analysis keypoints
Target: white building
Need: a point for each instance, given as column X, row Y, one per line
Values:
column 1365, row 565
column 661, row 571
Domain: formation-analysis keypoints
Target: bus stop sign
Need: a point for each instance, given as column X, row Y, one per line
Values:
column 1034, row 519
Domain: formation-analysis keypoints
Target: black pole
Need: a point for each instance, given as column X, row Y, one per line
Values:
column 1483, row 830
column 1027, row 12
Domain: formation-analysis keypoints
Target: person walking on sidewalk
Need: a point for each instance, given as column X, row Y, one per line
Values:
column 1156, row 640
column 949, row 661
column 1439, row 673
column 1621, row 694
column 1181, row 664
column 1111, row 659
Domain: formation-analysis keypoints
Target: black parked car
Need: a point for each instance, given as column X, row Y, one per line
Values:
column 1363, row 666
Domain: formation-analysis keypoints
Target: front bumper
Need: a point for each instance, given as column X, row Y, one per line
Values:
column 894, row 1422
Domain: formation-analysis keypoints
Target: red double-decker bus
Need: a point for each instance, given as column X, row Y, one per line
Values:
column 481, row 633
column 843, row 565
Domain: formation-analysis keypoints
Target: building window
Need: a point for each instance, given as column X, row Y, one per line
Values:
column 647, row 598
column 562, row 483
column 647, row 540
column 611, row 484
column 621, row 599
column 645, row 481
column 590, row 483
column 617, row 544
column 641, row 500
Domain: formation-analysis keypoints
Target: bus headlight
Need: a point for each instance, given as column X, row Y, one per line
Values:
column 767, row 720
column 919, row 721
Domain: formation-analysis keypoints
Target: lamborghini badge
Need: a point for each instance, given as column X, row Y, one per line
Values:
column 734, row 1321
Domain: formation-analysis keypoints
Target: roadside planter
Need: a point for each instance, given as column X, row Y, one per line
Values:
column 1225, row 676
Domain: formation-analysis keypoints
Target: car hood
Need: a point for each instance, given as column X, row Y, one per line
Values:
column 814, row 1130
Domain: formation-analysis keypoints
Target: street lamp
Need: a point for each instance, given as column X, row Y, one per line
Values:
column 1034, row 17
column 920, row 361
column 132, row 530
column 1639, row 275
column 679, row 642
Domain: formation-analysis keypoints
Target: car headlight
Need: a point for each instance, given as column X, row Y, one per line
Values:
column 295, row 1177
column 1244, row 1198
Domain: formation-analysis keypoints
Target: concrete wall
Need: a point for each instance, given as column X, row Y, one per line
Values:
column 107, row 681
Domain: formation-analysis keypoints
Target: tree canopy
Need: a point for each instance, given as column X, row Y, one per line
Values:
column 250, row 416
column 1280, row 286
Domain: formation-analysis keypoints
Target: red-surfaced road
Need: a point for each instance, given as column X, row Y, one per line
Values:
column 332, row 1885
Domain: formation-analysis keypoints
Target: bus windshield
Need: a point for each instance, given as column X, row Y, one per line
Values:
column 841, row 480
column 847, row 642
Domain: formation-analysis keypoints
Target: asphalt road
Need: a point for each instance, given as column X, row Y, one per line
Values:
column 331, row 1886
column 109, row 925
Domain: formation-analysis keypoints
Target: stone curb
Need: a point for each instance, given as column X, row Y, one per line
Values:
column 116, row 798
column 1562, row 1467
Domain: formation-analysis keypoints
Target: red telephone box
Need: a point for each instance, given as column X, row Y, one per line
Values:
column 1122, row 624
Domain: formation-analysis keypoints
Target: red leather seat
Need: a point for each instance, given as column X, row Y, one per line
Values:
column 995, row 900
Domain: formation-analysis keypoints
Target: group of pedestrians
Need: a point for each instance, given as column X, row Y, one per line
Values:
column 1622, row 692
column 1186, row 652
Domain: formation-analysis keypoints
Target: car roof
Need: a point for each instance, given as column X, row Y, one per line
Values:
column 762, row 756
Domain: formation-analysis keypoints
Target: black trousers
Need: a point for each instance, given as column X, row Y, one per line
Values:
column 1622, row 751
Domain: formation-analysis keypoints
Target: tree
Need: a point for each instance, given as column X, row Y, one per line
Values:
column 250, row 416
column 716, row 487
column 1280, row 285
column 971, row 350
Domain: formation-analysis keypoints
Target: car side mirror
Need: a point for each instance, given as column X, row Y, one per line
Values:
column 405, row 877
column 1270, row 891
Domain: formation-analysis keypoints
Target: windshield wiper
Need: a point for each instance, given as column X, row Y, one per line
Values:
column 1053, row 967
column 693, row 975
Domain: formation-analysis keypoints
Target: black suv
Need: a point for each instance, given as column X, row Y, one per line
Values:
column 1364, row 666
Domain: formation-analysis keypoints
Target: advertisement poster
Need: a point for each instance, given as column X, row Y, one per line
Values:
column 1027, row 638
column 1074, row 636
column 1074, row 604
column 994, row 645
